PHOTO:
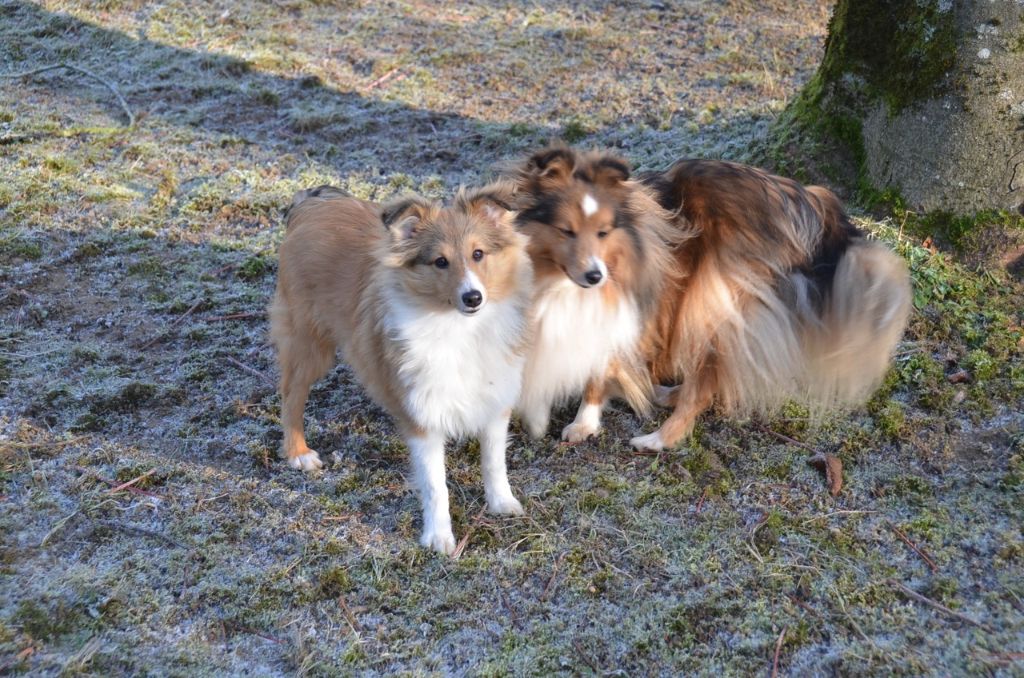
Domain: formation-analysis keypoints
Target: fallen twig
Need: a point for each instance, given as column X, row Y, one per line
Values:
column 511, row 613
column 234, row 316
column 461, row 546
column 131, row 482
column 919, row 551
column 252, row 371
column 83, row 71
column 914, row 595
column 383, row 79
column 344, row 516
column 703, row 497
column 787, row 439
column 114, row 483
column 177, row 321
column 778, row 650
column 802, row 605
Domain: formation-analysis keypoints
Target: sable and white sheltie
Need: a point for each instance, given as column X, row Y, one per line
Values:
column 764, row 291
column 429, row 306
column 601, row 258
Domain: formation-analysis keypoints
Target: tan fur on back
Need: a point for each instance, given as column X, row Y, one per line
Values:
column 329, row 286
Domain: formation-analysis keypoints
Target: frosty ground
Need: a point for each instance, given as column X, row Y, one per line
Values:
column 135, row 267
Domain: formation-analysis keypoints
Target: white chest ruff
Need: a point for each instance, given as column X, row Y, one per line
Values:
column 576, row 336
column 459, row 373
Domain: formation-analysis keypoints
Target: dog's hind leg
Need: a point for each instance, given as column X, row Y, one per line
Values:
column 695, row 395
column 303, row 358
column 665, row 396
column 493, row 442
column 535, row 416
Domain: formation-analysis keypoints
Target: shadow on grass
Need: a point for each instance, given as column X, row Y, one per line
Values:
column 225, row 95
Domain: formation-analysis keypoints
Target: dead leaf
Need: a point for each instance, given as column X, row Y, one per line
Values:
column 833, row 470
column 959, row 377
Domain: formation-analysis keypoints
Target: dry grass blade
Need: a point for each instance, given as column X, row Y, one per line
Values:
column 349, row 617
column 461, row 546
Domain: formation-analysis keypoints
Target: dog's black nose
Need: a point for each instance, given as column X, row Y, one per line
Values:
column 593, row 277
column 472, row 298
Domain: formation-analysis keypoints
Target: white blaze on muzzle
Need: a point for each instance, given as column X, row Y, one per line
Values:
column 464, row 297
column 589, row 277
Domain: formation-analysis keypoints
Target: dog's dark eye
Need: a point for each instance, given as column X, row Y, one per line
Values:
column 568, row 232
column 478, row 255
column 602, row 234
column 441, row 262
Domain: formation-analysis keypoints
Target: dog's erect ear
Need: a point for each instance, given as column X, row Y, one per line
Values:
column 403, row 216
column 553, row 165
column 491, row 203
column 610, row 170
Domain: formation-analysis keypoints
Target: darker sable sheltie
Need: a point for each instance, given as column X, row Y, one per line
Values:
column 601, row 259
column 730, row 284
column 428, row 304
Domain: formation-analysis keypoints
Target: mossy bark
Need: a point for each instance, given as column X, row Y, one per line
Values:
column 921, row 99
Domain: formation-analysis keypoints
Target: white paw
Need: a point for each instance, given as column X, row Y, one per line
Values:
column 651, row 441
column 439, row 540
column 579, row 431
column 665, row 396
column 310, row 461
column 505, row 506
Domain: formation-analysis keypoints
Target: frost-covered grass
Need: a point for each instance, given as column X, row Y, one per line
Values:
column 135, row 266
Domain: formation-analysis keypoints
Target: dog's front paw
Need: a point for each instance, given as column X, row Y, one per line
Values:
column 439, row 540
column 651, row 442
column 579, row 431
column 310, row 461
column 505, row 506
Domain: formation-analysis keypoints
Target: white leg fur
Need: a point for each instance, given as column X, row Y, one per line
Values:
column 428, row 471
column 586, row 424
column 493, row 441
column 536, row 418
column 651, row 441
column 310, row 461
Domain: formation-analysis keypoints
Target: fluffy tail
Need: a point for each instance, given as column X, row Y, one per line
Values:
column 325, row 192
column 864, row 314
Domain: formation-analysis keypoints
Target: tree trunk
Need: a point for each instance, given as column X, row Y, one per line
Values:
column 916, row 100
